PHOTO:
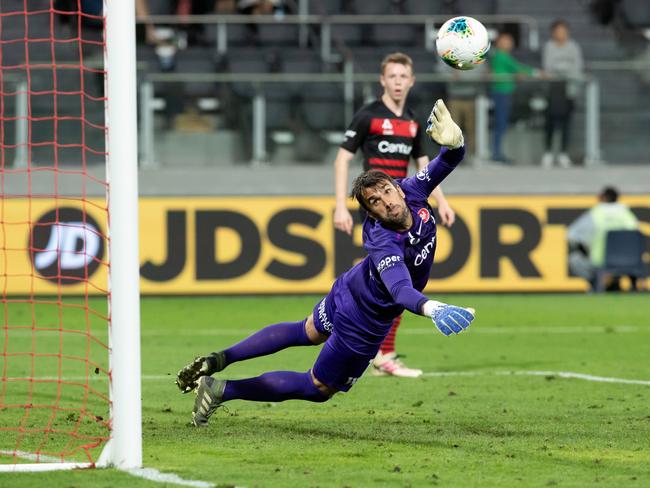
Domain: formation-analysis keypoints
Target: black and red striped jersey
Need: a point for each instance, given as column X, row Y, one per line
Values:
column 386, row 140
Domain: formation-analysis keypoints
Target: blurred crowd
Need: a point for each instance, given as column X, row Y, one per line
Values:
column 560, row 71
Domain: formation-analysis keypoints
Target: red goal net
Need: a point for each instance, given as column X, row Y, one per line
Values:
column 54, row 371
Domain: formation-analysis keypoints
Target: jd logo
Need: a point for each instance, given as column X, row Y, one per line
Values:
column 65, row 246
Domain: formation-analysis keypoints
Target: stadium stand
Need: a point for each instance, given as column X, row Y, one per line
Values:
column 281, row 49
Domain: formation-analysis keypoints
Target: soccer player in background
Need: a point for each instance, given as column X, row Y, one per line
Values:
column 354, row 318
column 388, row 136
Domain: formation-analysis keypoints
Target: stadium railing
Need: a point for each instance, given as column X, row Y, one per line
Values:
column 348, row 79
column 325, row 23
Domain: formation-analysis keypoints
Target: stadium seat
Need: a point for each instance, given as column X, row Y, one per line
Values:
column 238, row 35
column 299, row 61
column 159, row 7
column 623, row 256
column 195, row 60
column 348, row 34
column 325, row 7
column 419, row 7
column 396, row 35
column 376, row 7
column 246, row 89
column 477, row 7
column 279, row 34
column 423, row 61
column 636, row 13
column 279, row 114
column 322, row 106
column 367, row 60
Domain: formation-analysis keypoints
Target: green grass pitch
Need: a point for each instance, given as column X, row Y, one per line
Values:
column 503, row 416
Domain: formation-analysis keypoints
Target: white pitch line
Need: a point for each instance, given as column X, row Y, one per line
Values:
column 41, row 462
column 559, row 374
column 155, row 475
column 476, row 329
column 585, row 377
column 50, row 463
column 587, row 329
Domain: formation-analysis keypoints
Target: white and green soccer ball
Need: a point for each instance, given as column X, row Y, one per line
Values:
column 463, row 43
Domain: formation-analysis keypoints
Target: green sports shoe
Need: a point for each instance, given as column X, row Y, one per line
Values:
column 209, row 397
column 187, row 377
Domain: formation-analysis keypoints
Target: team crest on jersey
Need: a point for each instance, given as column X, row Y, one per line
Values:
column 413, row 128
column 387, row 128
column 424, row 214
column 423, row 175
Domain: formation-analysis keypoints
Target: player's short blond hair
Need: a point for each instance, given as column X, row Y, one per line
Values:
column 398, row 58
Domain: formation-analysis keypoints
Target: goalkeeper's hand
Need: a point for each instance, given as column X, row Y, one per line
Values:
column 449, row 319
column 442, row 129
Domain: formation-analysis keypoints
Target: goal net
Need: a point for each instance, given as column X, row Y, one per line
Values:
column 59, row 372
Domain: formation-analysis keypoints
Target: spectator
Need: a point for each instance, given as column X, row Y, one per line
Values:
column 562, row 58
column 504, row 66
column 192, row 34
column 260, row 7
column 167, row 41
column 588, row 233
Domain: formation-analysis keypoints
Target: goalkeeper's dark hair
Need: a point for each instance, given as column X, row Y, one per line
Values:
column 368, row 179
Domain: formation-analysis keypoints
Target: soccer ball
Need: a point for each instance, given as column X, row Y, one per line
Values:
column 463, row 43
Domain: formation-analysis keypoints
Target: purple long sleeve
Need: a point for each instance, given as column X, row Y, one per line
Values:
column 398, row 282
column 437, row 170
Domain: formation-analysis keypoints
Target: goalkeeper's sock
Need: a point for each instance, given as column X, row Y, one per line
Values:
column 388, row 345
column 276, row 386
column 269, row 340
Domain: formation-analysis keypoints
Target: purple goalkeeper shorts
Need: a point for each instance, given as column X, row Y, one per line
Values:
column 340, row 364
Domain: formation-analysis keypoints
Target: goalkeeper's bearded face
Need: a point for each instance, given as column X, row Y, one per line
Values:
column 385, row 203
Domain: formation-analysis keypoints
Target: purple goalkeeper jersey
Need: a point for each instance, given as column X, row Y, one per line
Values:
column 391, row 277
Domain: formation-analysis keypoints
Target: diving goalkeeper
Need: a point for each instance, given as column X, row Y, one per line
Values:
column 353, row 319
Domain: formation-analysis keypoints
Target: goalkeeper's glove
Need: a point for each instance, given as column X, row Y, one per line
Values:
column 449, row 319
column 442, row 129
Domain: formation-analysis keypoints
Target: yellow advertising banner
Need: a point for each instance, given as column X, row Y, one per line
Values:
column 265, row 245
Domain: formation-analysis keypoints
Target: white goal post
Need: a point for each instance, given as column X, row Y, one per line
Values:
column 124, row 446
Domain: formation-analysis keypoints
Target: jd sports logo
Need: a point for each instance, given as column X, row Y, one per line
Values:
column 65, row 246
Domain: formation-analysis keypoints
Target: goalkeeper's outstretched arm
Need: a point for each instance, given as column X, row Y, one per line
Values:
column 448, row 319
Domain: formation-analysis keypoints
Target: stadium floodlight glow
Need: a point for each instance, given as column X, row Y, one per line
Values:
column 52, row 242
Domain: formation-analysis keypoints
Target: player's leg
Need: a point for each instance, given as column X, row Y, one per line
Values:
column 387, row 362
column 337, row 368
column 267, row 341
column 501, row 114
column 564, row 122
column 549, row 129
column 276, row 386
